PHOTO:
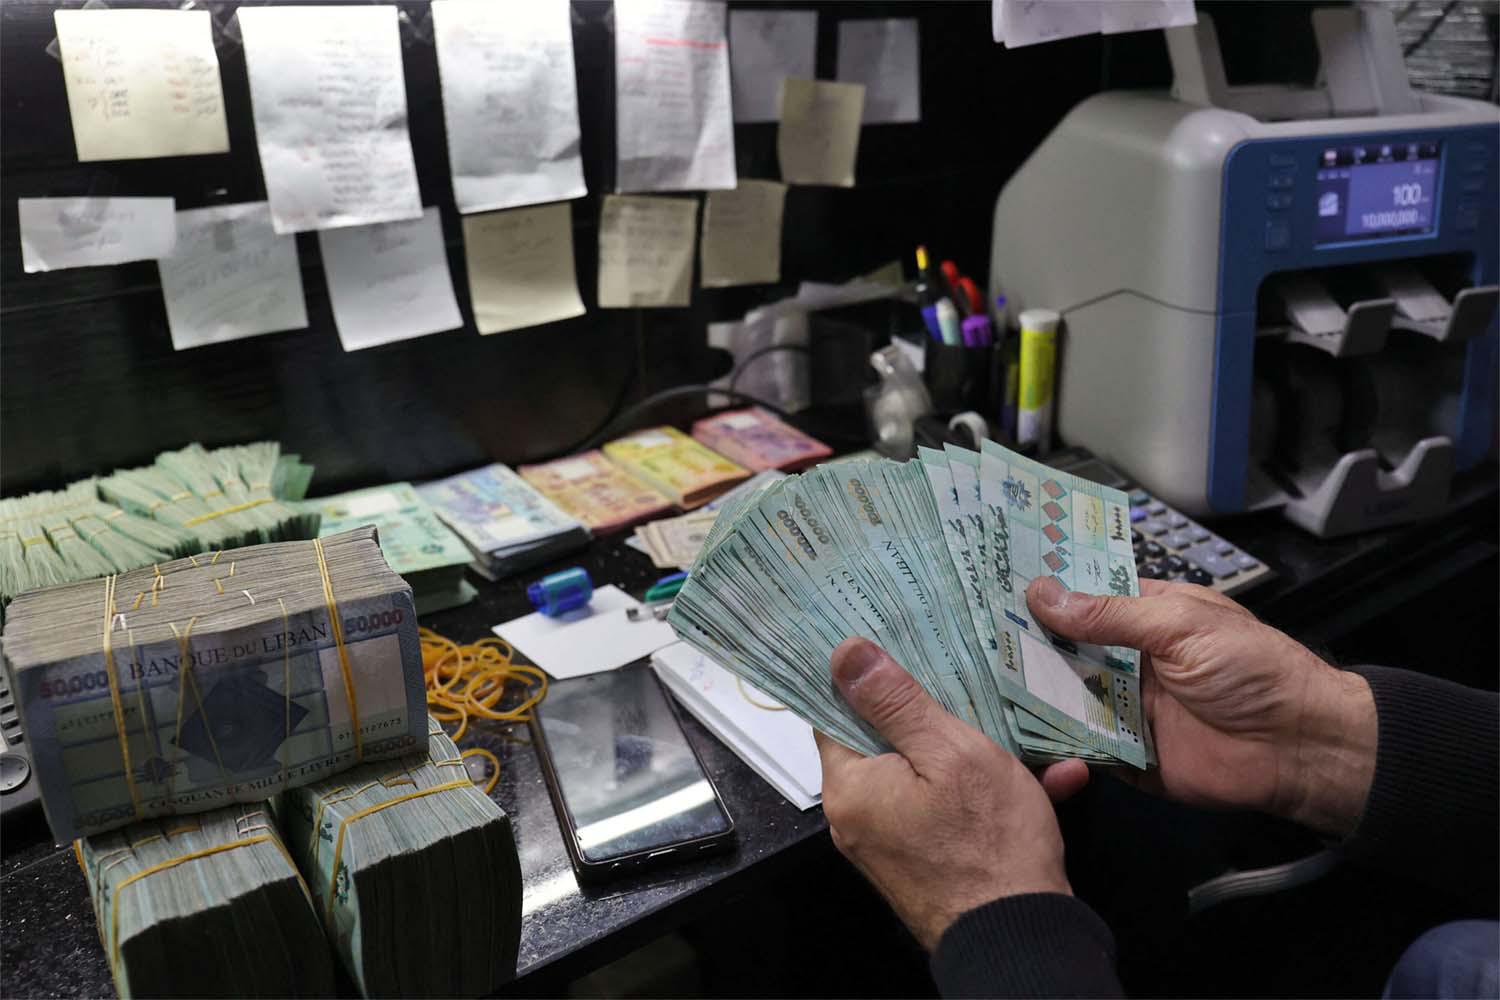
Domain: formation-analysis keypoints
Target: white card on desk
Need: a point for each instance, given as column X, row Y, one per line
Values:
column 83, row 232
column 587, row 640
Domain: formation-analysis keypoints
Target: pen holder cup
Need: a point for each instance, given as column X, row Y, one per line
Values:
column 964, row 378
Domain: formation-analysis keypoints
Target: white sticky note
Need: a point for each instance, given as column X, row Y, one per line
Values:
column 587, row 640
column 389, row 281
column 1028, row 22
column 510, row 102
column 329, row 100
column 646, row 250
column 231, row 276
column 142, row 83
column 673, row 118
column 1144, row 15
column 883, row 55
column 818, row 138
column 521, row 270
column 742, row 235
column 57, row 233
column 766, row 47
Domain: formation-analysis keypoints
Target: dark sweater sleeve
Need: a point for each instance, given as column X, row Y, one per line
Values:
column 1433, row 812
column 1036, row 945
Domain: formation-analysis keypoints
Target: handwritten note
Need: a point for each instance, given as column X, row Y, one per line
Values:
column 1028, row 22
column 329, row 101
column 882, row 55
column 818, row 139
column 389, row 281
column 646, row 251
column 766, row 47
column 1121, row 16
column 742, row 235
column 673, row 115
column 57, row 233
column 231, row 276
column 510, row 102
column 142, row 83
column 521, row 270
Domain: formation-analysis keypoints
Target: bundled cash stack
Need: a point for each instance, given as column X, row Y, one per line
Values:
column 758, row 441
column 595, row 490
column 679, row 467
column 507, row 525
column 205, row 905
column 414, row 873
column 416, row 543
column 190, row 501
column 930, row 559
column 214, row 679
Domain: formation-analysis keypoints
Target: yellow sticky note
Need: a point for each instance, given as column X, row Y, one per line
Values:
column 142, row 83
column 818, row 138
column 646, row 250
column 742, row 235
column 521, row 270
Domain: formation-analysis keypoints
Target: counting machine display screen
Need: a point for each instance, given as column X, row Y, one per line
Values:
column 1377, row 191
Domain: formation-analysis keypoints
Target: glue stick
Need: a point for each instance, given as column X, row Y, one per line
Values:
column 1036, row 377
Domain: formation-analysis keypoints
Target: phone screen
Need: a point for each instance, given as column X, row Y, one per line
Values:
column 625, row 772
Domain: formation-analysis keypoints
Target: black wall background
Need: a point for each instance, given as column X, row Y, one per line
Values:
column 89, row 380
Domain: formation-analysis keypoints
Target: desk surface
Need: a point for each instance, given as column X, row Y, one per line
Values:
column 49, row 945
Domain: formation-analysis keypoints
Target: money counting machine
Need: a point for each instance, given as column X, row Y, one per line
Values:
column 1271, row 295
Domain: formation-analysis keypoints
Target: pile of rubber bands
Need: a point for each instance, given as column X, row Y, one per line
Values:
column 470, row 681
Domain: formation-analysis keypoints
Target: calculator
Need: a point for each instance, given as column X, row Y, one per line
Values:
column 1169, row 545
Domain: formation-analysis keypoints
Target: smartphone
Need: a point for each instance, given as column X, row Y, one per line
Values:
column 627, row 785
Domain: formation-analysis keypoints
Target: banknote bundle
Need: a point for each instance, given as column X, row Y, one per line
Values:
column 205, row 905
column 758, row 440
column 416, row 543
column 507, row 525
column 681, row 468
column 214, row 679
column 598, row 492
column 675, row 541
column 138, row 517
column 930, row 559
column 413, row 871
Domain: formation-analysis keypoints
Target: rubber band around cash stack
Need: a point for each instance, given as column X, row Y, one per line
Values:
column 337, row 627
column 338, row 845
column 211, row 515
column 112, row 675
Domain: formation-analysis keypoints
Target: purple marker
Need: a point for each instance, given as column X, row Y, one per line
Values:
column 977, row 331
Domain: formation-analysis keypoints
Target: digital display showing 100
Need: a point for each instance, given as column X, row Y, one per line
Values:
column 1377, row 192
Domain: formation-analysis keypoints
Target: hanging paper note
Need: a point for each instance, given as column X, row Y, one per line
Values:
column 389, row 281
column 329, row 99
column 673, row 117
column 81, row 232
column 646, row 251
column 818, row 138
column 1027, row 22
column 231, row 276
column 1121, row 16
column 509, row 101
column 766, row 47
column 142, row 83
column 882, row 55
column 521, row 270
column 742, row 235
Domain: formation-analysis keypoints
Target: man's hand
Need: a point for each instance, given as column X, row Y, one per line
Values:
column 1242, row 715
column 948, row 822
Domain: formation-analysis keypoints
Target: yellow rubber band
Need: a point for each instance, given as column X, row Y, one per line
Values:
column 488, row 755
column 106, row 643
column 337, row 627
column 225, row 511
column 338, row 846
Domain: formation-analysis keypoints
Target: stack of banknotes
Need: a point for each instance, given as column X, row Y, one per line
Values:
column 930, row 559
column 757, row 440
column 674, row 464
column 598, row 492
column 675, row 541
column 413, row 871
column 219, row 678
column 189, row 501
column 507, row 525
column 416, row 543
column 205, row 905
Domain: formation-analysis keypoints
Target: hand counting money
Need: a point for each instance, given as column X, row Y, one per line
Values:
column 930, row 559
column 214, row 679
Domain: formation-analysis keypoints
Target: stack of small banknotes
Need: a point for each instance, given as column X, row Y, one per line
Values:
column 205, row 905
column 930, row 559
column 189, row 501
column 683, row 470
column 214, row 679
column 675, row 541
column 507, row 525
column 415, row 541
column 598, row 492
column 414, row 873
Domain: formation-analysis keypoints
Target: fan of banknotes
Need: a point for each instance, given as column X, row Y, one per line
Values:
column 930, row 559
